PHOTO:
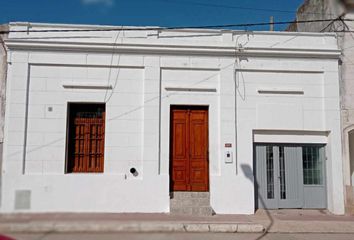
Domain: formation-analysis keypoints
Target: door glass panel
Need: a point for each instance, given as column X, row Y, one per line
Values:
column 312, row 165
column 270, row 172
column 282, row 173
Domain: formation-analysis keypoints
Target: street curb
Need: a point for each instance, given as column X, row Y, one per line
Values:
column 94, row 227
column 325, row 227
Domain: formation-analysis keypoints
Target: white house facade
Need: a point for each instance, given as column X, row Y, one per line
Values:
column 120, row 120
column 342, row 9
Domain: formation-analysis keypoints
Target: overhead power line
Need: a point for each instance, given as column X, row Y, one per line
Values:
column 214, row 5
column 224, row 6
column 105, row 29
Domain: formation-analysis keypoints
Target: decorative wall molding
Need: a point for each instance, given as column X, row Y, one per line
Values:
column 218, row 49
column 86, row 85
column 281, row 91
column 181, row 89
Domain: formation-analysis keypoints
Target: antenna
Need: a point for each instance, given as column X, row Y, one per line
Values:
column 271, row 25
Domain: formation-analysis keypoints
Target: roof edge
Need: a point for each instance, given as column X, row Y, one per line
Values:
column 199, row 30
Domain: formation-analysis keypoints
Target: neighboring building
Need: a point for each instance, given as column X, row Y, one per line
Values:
column 3, row 73
column 133, row 120
column 325, row 9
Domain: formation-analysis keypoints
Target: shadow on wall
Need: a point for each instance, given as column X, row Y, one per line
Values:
column 351, row 155
column 249, row 174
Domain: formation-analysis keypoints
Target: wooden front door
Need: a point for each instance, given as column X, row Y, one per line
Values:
column 189, row 149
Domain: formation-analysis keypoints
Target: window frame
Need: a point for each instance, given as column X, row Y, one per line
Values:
column 322, row 160
column 70, row 125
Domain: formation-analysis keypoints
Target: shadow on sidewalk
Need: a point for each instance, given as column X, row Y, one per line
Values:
column 249, row 174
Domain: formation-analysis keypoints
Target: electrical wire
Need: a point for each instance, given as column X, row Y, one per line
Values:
column 105, row 29
column 330, row 24
column 213, row 5
column 110, row 67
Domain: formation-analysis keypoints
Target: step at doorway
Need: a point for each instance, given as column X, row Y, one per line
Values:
column 191, row 203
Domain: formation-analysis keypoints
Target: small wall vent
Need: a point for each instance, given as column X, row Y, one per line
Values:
column 22, row 199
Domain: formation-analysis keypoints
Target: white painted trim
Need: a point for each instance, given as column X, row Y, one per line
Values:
column 285, row 136
column 279, row 70
column 70, row 64
column 221, row 49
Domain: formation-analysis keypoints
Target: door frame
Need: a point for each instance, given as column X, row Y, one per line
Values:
column 185, row 107
column 277, row 202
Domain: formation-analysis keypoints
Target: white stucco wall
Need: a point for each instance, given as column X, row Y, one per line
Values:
column 336, row 8
column 141, row 66
column 3, row 75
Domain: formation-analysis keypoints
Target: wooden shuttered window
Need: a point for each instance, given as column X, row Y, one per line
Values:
column 86, row 138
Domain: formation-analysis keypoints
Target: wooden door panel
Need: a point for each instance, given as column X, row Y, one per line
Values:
column 180, row 151
column 199, row 177
column 96, row 148
column 189, row 143
column 197, row 143
column 79, row 140
column 180, row 179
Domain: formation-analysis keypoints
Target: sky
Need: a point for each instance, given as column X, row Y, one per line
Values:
column 164, row 13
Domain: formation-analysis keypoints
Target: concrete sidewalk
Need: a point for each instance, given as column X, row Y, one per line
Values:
column 296, row 221
column 303, row 221
column 132, row 222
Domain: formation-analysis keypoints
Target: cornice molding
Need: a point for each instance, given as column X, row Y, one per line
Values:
column 170, row 49
column 37, row 26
